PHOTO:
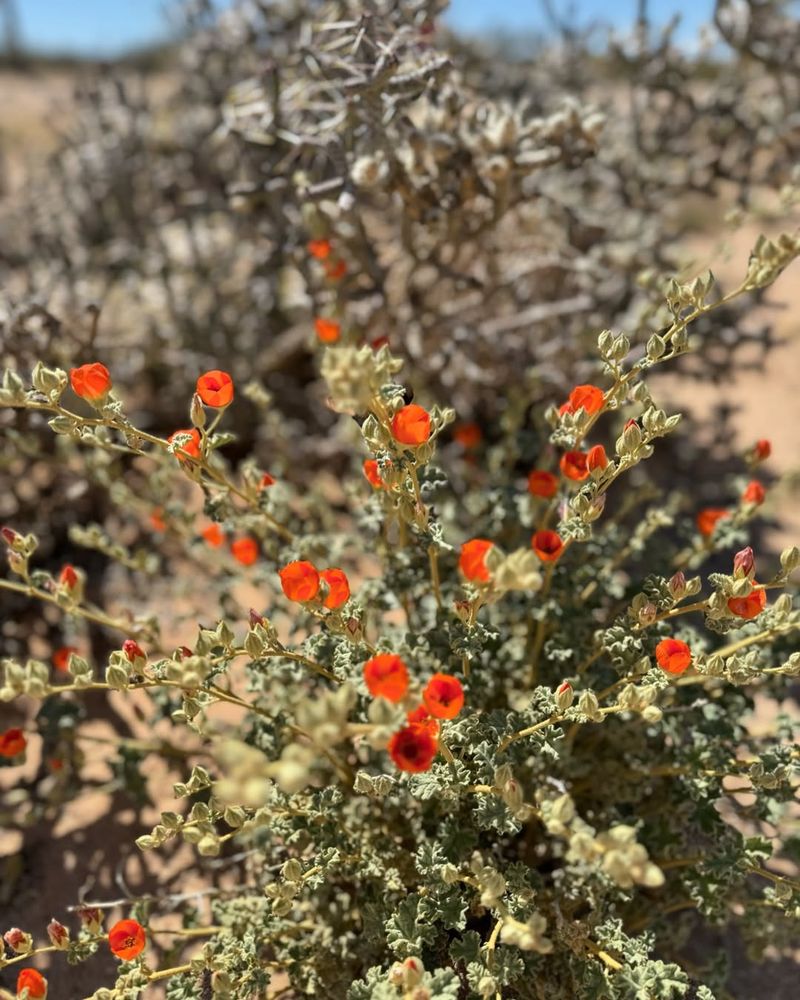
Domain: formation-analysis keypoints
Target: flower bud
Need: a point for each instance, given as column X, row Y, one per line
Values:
column 564, row 696
column 292, row 870
column 589, row 706
column 744, row 563
column 91, row 918
column 197, row 414
column 677, row 585
column 133, row 652
column 58, row 934
column 647, row 614
column 790, row 559
column 18, row 941
column 413, row 970
column 652, row 713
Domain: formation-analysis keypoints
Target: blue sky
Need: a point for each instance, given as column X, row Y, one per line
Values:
column 106, row 27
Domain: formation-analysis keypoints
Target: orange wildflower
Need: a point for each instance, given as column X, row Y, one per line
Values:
column 413, row 748
column 472, row 561
column 157, row 522
column 596, row 458
column 750, row 606
column 762, row 449
column 573, row 465
column 191, row 449
column 542, row 484
column 319, row 249
column 245, row 550
column 754, row 493
column 708, row 517
column 214, row 535
column 586, row 397
column 673, row 655
column 335, row 269
column 215, row 388
column 467, row 435
column 443, row 696
column 328, row 330
column 372, row 472
column 91, row 382
column 420, row 716
column 12, row 743
column 386, row 676
column 31, row 984
column 61, row 657
column 338, row 588
column 547, row 545
column 411, row 425
column 126, row 939
column 299, row 581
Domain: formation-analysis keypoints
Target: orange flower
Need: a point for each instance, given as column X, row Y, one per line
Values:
column 214, row 535
column 319, row 249
column 596, row 458
column 338, row 588
column 215, row 388
column 586, row 397
column 61, row 657
column 443, row 696
column 707, row 519
column 386, row 676
column 372, row 472
column 472, row 561
column 299, row 580
column 127, row 939
column 31, row 984
column 266, row 481
column 189, row 450
column 467, row 435
column 335, row 269
column 673, row 655
column 328, row 330
column 750, row 606
column 420, row 716
column 547, row 545
column 411, row 425
column 12, row 743
column 245, row 550
column 573, row 465
column 157, row 522
column 413, row 748
column 542, row 484
column 565, row 408
column 68, row 577
column 90, row 382
column 762, row 450
column 754, row 493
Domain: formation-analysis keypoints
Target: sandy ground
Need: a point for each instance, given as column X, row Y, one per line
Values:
column 86, row 835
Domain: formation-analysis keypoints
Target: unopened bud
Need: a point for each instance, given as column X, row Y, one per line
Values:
column 413, row 970
column 255, row 618
column 18, row 941
column 91, row 918
column 744, row 563
column 652, row 714
column 196, row 412
column 677, row 585
column 564, row 696
column 790, row 559
column 58, row 934
column 133, row 651
column 647, row 614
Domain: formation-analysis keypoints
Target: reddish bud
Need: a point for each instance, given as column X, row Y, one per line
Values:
column 12, row 743
column 91, row 917
column 328, row 330
column 596, row 459
column 754, row 493
column 133, row 651
column 744, row 563
column 255, row 618
column 18, row 941
column 58, row 934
